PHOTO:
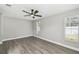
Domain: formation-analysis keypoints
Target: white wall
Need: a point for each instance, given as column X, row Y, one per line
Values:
column 13, row 27
column 52, row 28
column 0, row 25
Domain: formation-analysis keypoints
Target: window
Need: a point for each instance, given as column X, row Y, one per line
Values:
column 72, row 29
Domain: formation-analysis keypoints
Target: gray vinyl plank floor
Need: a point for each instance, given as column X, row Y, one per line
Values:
column 33, row 45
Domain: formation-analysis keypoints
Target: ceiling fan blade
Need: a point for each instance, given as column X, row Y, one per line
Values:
column 36, row 11
column 38, row 15
column 26, row 11
column 9, row 5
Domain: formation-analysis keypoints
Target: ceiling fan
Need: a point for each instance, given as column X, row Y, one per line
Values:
column 33, row 13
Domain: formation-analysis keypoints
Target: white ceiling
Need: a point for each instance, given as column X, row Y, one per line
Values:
column 45, row 9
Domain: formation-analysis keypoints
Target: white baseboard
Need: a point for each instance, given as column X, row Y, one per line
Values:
column 15, row 38
column 67, row 46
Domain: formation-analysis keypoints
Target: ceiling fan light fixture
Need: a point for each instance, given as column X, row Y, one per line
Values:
column 32, row 15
